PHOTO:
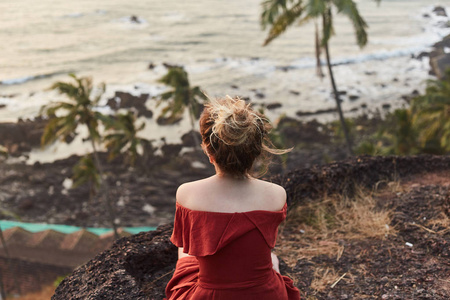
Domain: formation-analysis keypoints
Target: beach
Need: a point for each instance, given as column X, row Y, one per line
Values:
column 219, row 44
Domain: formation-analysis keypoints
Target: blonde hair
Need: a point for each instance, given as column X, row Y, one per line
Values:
column 235, row 135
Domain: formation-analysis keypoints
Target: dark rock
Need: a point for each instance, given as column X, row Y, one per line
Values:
column 426, row 15
column 364, row 105
column 127, row 100
column 317, row 112
column 296, row 93
column 168, row 121
column 260, row 95
column 113, row 103
column 135, row 19
column 439, row 64
column 342, row 177
column 2, row 106
column 369, row 73
column 271, row 106
column 293, row 130
column 169, row 66
column 136, row 267
column 188, row 139
column 145, row 113
column 353, row 97
column 151, row 66
column 354, row 109
column 22, row 136
column 171, row 150
column 386, row 106
column 440, row 11
column 422, row 55
column 233, row 86
column 395, row 79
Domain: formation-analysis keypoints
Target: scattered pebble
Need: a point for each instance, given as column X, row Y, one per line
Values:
column 67, row 183
column 408, row 244
column 149, row 209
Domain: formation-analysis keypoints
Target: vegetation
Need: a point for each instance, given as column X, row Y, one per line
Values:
column 281, row 14
column 123, row 137
column 422, row 128
column 64, row 119
column 181, row 97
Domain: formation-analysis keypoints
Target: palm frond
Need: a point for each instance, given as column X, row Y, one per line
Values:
column 283, row 21
column 85, row 171
column 349, row 8
column 272, row 9
column 316, row 8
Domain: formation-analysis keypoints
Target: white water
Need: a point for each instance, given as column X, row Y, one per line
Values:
column 219, row 43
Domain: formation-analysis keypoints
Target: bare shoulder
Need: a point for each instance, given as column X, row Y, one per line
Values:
column 274, row 193
column 189, row 192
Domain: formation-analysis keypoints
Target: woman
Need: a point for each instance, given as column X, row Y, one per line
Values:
column 226, row 225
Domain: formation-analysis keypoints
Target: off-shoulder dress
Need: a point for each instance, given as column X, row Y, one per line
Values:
column 231, row 256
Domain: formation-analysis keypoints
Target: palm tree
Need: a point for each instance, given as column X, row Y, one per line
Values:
column 78, row 111
column 431, row 114
column 280, row 14
column 84, row 172
column 124, row 137
column 182, row 96
column 401, row 134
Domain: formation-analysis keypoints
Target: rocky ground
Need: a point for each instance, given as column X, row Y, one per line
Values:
column 410, row 260
column 143, row 195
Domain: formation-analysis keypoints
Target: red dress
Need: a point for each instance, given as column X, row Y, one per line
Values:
column 231, row 256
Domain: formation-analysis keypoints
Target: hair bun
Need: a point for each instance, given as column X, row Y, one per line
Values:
column 234, row 121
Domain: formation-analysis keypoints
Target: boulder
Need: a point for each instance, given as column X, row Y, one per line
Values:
column 188, row 139
column 22, row 136
column 127, row 100
column 139, row 267
column 440, row 11
column 275, row 105
column 317, row 112
column 136, row 267
column 440, row 64
column 171, row 150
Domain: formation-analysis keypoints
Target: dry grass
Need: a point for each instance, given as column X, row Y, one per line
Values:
column 45, row 294
column 320, row 227
column 440, row 225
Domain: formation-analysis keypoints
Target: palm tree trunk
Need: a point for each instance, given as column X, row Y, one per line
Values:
column 317, row 48
column 104, row 192
column 9, row 266
column 338, row 101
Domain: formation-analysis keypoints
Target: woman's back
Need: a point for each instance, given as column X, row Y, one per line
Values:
column 225, row 194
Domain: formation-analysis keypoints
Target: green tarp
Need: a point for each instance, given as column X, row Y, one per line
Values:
column 36, row 227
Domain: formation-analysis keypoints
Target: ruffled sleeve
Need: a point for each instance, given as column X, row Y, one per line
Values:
column 202, row 233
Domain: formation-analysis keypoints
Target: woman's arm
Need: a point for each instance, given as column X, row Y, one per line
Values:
column 181, row 254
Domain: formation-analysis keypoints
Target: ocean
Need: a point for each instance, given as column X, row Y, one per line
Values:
column 220, row 45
